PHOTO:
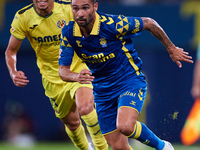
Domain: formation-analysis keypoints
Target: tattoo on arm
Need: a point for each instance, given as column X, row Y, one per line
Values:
column 160, row 34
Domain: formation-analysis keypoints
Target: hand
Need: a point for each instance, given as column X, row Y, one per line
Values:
column 19, row 79
column 178, row 54
column 84, row 77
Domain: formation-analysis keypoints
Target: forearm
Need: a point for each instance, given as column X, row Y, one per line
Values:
column 66, row 74
column 155, row 29
column 11, row 61
column 11, row 54
column 177, row 54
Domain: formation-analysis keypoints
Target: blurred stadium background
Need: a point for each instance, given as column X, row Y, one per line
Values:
column 169, row 87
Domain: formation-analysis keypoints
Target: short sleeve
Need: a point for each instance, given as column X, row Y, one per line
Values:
column 18, row 28
column 128, row 27
column 66, row 52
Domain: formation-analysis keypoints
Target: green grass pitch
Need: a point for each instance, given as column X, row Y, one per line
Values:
column 70, row 146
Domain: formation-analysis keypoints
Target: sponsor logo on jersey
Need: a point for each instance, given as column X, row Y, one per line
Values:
column 15, row 17
column 61, row 23
column 12, row 29
column 137, row 26
column 140, row 94
column 35, row 25
column 79, row 43
column 48, row 38
column 47, row 41
column 146, row 142
column 132, row 103
column 128, row 93
column 98, row 58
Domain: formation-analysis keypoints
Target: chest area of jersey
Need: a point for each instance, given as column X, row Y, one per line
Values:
column 46, row 30
column 97, row 49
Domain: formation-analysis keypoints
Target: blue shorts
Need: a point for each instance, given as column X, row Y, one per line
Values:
column 131, row 96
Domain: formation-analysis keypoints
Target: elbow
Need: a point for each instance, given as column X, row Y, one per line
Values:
column 61, row 77
column 149, row 23
column 65, row 73
column 61, row 73
column 9, row 56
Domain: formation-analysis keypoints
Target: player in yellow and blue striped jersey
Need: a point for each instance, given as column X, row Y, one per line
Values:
column 41, row 22
column 104, row 43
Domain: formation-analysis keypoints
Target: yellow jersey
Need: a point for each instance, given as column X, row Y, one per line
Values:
column 44, row 34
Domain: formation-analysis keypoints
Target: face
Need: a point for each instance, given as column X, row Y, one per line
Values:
column 44, row 6
column 83, row 11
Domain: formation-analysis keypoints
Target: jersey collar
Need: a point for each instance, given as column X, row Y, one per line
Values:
column 41, row 15
column 95, row 29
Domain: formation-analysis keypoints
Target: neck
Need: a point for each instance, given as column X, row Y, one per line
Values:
column 87, row 29
column 45, row 12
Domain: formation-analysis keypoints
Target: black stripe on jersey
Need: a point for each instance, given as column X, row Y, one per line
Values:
column 23, row 10
column 54, row 101
column 63, row 1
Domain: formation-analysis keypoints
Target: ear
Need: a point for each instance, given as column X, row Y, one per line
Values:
column 96, row 6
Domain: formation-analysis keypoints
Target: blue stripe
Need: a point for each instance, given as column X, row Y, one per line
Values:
column 93, row 125
column 96, row 132
column 23, row 10
column 61, row 2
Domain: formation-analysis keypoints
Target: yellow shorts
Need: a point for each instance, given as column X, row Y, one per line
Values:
column 62, row 95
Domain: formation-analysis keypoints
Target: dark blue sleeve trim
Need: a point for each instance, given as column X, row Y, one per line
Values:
column 61, row 2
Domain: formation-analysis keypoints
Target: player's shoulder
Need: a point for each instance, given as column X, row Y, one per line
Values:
column 68, row 29
column 108, row 18
column 63, row 6
column 25, row 9
column 107, row 23
column 62, row 3
column 113, row 19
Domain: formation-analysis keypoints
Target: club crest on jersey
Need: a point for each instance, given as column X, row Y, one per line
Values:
column 61, row 23
column 103, row 42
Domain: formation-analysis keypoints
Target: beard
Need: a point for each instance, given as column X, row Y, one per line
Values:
column 84, row 22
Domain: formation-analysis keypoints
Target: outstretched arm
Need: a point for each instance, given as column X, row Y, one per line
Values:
column 18, row 77
column 84, row 77
column 177, row 54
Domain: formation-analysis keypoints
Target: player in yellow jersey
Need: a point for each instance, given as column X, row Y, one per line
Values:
column 41, row 22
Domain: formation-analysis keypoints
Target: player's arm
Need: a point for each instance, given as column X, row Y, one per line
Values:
column 177, row 54
column 18, row 77
column 65, row 60
column 84, row 77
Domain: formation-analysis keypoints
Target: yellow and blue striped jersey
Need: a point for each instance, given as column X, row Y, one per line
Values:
column 108, row 50
column 44, row 34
